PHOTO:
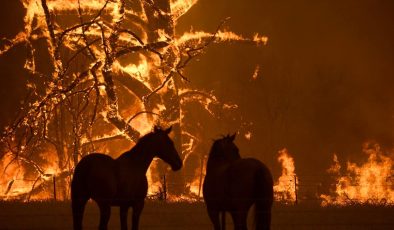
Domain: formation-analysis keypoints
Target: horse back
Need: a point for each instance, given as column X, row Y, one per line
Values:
column 95, row 177
column 251, row 182
column 238, row 184
column 248, row 168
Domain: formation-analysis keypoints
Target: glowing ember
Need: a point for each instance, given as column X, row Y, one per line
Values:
column 256, row 73
column 371, row 182
column 248, row 135
column 285, row 187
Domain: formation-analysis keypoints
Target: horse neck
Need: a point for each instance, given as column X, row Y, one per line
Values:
column 138, row 158
column 218, row 164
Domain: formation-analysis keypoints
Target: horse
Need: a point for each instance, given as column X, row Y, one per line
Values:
column 120, row 182
column 233, row 184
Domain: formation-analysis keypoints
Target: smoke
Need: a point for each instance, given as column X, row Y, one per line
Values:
column 325, row 81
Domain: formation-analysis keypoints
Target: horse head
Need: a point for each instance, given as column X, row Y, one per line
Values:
column 165, row 149
column 225, row 149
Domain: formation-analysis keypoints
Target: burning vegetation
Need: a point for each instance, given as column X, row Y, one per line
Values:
column 101, row 73
column 369, row 183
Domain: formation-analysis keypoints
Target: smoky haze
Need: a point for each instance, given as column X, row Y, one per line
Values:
column 325, row 83
column 326, row 78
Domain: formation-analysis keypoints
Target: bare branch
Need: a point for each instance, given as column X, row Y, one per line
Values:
column 140, row 113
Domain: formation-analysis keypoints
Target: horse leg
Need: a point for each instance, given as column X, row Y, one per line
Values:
column 223, row 220
column 78, row 208
column 263, row 215
column 123, row 217
column 214, row 216
column 105, row 213
column 240, row 220
column 137, row 209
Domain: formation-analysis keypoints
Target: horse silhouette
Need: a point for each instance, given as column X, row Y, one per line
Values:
column 233, row 184
column 120, row 182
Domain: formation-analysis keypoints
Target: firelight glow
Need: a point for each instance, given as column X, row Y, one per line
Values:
column 101, row 52
column 368, row 183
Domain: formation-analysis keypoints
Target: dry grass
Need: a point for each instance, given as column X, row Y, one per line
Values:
column 174, row 216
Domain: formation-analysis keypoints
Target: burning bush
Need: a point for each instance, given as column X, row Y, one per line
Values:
column 370, row 182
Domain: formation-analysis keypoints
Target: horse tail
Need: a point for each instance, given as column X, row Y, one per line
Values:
column 264, row 198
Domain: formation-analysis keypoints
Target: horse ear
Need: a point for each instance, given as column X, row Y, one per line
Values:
column 168, row 130
column 232, row 137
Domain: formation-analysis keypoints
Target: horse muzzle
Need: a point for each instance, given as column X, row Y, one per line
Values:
column 177, row 166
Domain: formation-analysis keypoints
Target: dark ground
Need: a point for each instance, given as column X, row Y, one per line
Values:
column 174, row 216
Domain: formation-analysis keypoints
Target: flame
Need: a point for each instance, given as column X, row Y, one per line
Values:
column 11, row 180
column 182, row 198
column 256, row 72
column 72, row 5
column 285, row 187
column 370, row 182
column 248, row 135
column 150, row 69
column 16, row 181
column 181, row 7
column 138, row 71
column 220, row 36
column 195, row 186
column 156, row 186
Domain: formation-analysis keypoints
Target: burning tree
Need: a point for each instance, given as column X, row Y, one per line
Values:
column 100, row 72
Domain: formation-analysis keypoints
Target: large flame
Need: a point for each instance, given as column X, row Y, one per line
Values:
column 152, row 62
column 370, row 182
column 285, row 187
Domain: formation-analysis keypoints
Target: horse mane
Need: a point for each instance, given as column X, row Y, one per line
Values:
column 142, row 141
column 144, row 138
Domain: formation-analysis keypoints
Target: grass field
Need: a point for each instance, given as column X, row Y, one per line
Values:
column 183, row 215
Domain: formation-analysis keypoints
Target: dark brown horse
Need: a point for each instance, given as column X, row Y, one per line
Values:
column 120, row 182
column 233, row 184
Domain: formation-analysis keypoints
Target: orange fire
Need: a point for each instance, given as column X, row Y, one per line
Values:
column 152, row 65
column 371, row 182
column 285, row 187
column 12, row 180
column 195, row 186
column 17, row 183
